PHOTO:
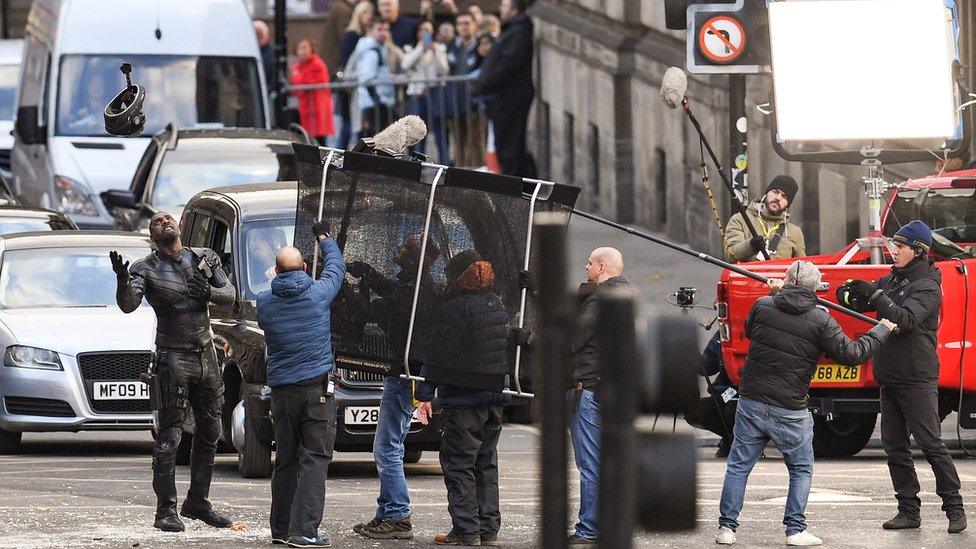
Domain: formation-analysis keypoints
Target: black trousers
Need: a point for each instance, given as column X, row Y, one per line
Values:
column 708, row 414
column 187, row 379
column 469, row 458
column 915, row 410
column 510, row 123
column 305, row 431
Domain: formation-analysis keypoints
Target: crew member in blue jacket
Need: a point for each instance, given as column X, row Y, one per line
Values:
column 294, row 315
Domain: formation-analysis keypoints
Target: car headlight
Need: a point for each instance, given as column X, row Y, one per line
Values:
column 73, row 197
column 22, row 356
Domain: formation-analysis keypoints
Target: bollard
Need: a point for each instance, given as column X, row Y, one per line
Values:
column 552, row 366
column 618, row 397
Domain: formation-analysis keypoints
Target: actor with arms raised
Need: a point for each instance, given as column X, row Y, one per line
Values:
column 179, row 283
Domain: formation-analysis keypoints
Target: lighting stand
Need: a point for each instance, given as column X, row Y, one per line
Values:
column 874, row 187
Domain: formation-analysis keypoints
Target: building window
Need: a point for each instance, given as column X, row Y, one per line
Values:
column 569, row 148
column 593, row 177
column 545, row 142
column 661, row 186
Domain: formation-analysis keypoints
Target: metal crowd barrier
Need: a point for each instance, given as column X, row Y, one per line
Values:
column 459, row 124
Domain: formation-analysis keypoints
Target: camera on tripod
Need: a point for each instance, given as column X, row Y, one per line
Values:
column 684, row 297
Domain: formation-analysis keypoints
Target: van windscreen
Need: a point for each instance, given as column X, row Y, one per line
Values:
column 185, row 90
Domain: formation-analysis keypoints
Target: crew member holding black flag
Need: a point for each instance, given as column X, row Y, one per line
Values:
column 179, row 283
column 907, row 368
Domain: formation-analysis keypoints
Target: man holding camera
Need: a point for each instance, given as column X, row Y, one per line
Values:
column 603, row 270
column 179, row 283
column 294, row 315
column 907, row 368
column 789, row 334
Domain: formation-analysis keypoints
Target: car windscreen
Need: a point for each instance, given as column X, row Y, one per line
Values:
column 11, row 224
column 211, row 163
column 9, row 76
column 60, row 277
column 184, row 90
column 949, row 212
column 262, row 240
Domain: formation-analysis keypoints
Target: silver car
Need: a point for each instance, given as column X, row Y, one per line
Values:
column 71, row 358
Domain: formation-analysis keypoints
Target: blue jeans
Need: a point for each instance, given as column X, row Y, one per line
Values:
column 791, row 431
column 396, row 411
column 584, row 427
column 425, row 107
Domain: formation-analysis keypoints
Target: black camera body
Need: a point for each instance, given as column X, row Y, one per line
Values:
column 123, row 114
column 685, row 297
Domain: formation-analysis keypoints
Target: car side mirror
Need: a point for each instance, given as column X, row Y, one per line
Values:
column 27, row 128
column 119, row 198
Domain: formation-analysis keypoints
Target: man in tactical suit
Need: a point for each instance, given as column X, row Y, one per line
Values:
column 179, row 282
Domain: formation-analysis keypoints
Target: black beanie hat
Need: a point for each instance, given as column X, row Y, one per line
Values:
column 460, row 263
column 786, row 184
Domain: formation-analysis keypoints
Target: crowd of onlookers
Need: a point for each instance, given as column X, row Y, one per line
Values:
column 468, row 75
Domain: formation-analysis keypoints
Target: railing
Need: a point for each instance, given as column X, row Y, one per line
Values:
column 457, row 127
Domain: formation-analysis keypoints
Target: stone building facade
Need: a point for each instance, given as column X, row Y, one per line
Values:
column 599, row 123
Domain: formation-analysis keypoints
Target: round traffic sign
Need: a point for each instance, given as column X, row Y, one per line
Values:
column 722, row 39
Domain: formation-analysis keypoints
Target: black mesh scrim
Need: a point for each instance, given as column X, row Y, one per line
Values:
column 378, row 219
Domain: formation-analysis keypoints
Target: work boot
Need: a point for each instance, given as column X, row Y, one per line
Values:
column 455, row 538
column 197, row 506
column 902, row 521
column 388, row 529
column 203, row 510
column 957, row 520
column 358, row 528
column 164, row 485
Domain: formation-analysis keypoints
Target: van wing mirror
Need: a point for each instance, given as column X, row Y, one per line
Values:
column 27, row 129
column 119, row 198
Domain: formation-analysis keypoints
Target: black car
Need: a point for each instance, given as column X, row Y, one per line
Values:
column 179, row 163
column 246, row 225
column 21, row 219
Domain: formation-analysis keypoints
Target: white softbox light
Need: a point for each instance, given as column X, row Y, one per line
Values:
column 862, row 69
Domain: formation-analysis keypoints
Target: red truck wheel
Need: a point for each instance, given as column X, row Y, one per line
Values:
column 843, row 436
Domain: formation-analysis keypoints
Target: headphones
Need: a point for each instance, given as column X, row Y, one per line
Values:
column 123, row 114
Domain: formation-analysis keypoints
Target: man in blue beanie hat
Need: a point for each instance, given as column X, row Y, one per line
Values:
column 907, row 368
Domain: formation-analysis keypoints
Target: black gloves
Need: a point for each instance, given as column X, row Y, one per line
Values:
column 522, row 336
column 527, row 280
column 758, row 244
column 856, row 294
column 198, row 287
column 121, row 268
column 864, row 288
column 320, row 228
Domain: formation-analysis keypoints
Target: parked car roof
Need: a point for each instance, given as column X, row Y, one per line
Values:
column 257, row 200
column 72, row 239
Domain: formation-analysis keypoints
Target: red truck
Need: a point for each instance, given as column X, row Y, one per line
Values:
column 843, row 399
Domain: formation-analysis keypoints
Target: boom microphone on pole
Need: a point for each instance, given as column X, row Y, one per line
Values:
column 674, row 86
column 714, row 261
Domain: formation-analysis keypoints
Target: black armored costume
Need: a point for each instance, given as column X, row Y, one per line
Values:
column 179, row 288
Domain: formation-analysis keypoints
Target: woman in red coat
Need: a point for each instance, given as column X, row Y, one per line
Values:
column 314, row 106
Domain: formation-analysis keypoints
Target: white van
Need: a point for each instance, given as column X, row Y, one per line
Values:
column 197, row 59
column 11, row 51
